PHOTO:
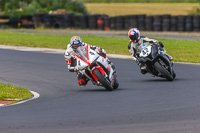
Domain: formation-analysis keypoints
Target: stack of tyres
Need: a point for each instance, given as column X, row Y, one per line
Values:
column 119, row 22
column 181, row 23
column 157, row 23
column 189, row 23
column 27, row 22
column 173, row 23
column 166, row 22
column 134, row 21
column 196, row 23
column 141, row 22
column 48, row 21
column 4, row 21
column 127, row 24
column 92, row 21
column 106, row 23
column 83, row 22
column 149, row 23
column 77, row 21
column 14, row 22
column 67, row 21
column 112, row 23
column 101, row 22
column 59, row 21
column 38, row 20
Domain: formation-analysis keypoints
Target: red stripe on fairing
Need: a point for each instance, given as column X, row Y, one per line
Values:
column 83, row 60
column 94, row 76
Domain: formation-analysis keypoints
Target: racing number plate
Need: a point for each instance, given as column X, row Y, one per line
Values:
column 145, row 52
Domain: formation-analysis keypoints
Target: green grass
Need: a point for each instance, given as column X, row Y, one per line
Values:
column 11, row 92
column 181, row 50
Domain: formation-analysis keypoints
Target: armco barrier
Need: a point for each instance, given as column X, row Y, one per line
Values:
column 104, row 22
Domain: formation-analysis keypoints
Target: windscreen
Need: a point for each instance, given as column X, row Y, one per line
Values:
column 82, row 52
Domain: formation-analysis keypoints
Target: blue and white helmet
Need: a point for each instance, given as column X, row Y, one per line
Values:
column 134, row 35
column 75, row 42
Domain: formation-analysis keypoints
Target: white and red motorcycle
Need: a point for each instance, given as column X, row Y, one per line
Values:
column 96, row 68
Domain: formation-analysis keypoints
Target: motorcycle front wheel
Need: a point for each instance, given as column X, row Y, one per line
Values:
column 165, row 73
column 105, row 82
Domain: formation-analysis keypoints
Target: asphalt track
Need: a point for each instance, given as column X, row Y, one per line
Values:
column 142, row 104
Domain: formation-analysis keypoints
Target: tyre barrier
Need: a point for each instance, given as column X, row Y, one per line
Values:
column 196, row 23
column 4, row 21
column 133, row 21
column 92, row 21
column 112, row 23
column 14, row 22
column 141, row 22
column 181, row 23
column 149, row 23
column 26, row 22
column 119, row 23
column 38, row 20
column 166, row 22
column 173, row 23
column 157, row 23
column 103, row 22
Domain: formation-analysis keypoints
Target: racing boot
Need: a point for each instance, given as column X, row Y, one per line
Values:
column 82, row 82
column 143, row 68
column 169, row 57
column 82, row 79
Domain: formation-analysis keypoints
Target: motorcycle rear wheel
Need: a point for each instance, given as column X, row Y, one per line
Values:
column 103, row 80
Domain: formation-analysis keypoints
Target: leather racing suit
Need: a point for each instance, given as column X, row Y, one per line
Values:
column 71, row 61
column 134, row 50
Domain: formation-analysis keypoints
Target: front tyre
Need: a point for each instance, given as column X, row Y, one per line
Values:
column 116, row 83
column 165, row 73
column 105, row 82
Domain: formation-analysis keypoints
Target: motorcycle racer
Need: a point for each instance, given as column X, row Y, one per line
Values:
column 136, row 40
column 69, row 55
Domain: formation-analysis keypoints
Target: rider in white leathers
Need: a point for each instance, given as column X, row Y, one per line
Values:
column 136, row 40
column 69, row 55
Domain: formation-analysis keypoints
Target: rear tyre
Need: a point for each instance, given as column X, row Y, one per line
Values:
column 103, row 80
column 165, row 73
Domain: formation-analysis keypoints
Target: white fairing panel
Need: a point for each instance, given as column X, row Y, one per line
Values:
column 81, row 64
column 103, row 61
column 93, row 55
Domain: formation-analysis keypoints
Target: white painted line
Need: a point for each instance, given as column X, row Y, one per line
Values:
column 1, row 105
column 61, row 51
column 36, row 95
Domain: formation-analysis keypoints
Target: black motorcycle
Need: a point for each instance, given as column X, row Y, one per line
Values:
column 156, row 61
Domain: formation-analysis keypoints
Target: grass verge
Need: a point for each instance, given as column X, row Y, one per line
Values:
column 181, row 50
column 11, row 92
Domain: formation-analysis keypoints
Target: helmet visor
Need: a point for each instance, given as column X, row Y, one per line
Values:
column 133, row 38
column 76, row 46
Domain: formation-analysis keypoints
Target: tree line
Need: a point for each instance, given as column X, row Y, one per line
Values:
column 30, row 7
